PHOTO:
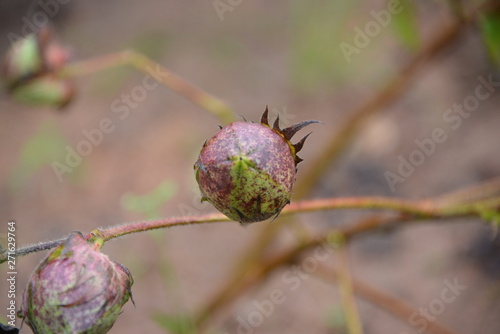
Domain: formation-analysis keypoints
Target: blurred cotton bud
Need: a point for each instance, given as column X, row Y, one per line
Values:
column 31, row 64
column 46, row 90
column 34, row 55
column 23, row 60
column 76, row 289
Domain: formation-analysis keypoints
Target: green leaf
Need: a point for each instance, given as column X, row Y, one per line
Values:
column 490, row 215
column 175, row 324
column 404, row 25
column 44, row 147
column 336, row 319
column 150, row 203
column 317, row 29
column 490, row 28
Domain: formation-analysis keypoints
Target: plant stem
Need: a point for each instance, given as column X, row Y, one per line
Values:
column 424, row 208
column 139, row 61
column 371, row 223
column 393, row 305
column 344, row 279
column 483, row 190
column 337, row 144
column 257, row 273
column 253, row 256
column 418, row 209
column 241, row 281
column 389, row 94
column 109, row 233
column 112, row 232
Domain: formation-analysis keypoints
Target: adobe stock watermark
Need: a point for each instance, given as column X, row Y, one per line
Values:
column 420, row 320
column 292, row 279
column 223, row 6
column 37, row 20
column 120, row 108
column 11, row 278
column 371, row 29
column 452, row 118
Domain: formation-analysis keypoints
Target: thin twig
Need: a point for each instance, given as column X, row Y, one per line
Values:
column 227, row 294
column 139, row 61
column 392, row 304
column 258, row 272
column 112, row 232
column 389, row 94
column 339, row 141
column 418, row 209
column 483, row 190
column 344, row 279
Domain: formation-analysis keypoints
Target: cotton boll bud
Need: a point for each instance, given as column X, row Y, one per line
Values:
column 247, row 170
column 76, row 289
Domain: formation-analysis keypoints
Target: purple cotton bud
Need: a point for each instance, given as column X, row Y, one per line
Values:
column 30, row 69
column 76, row 289
column 247, row 170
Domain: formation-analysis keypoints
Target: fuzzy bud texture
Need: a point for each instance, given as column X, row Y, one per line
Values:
column 76, row 289
column 247, row 170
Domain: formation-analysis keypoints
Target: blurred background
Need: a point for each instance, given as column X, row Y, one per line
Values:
column 288, row 55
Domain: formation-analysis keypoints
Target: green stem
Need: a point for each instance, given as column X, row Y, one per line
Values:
column 480, row 191
column 346, row 289
column 390, row 93
column 419, row 209
column 129, row 57
column 112, row 232
column 394, row 305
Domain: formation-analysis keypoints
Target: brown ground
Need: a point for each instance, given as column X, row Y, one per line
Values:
column 248, row 60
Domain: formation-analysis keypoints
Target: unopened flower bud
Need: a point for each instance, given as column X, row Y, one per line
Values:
column 23, row 60
column 46, row 90
column 76, row 289
column 30, row 67
column 247, row 170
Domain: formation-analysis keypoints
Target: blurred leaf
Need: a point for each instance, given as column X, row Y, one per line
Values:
column 336, row 319
column 44, row 147
column 317, row 31
column 177, row 324
column 150, row 203
column 405, row 25
column 490, row 28
column 166, row 269
column 490, row 215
